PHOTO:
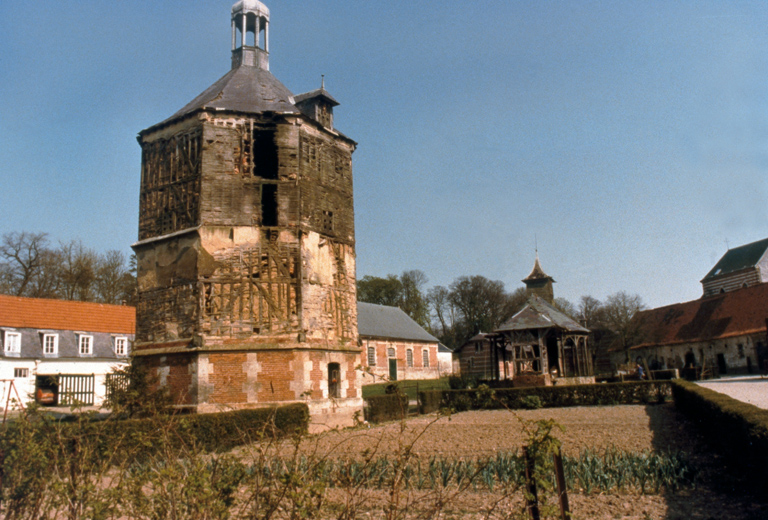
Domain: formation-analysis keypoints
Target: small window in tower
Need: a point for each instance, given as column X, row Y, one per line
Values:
column 269, row 205
column 326, row 223
column 264, row 154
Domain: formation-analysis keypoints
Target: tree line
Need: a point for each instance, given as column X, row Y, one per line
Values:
column 474, row 304
column 30, row 265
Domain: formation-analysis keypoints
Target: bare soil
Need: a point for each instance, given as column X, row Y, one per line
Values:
column 717, row 494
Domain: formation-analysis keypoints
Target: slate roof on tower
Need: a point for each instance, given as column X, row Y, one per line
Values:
column 244, row 89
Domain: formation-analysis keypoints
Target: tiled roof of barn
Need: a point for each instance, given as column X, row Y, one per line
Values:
column 739, row 258
column 729, row 314
column 538, row 314
column 383, row 321
column 40, row 313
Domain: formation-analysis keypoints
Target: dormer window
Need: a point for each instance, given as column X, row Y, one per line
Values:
column 12, row 343
column 121, row 346
column 85, row 345
column 50, row 344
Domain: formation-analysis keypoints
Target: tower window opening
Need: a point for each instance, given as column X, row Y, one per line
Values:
column 264, row 154
column 269, row 205
column 334, row 380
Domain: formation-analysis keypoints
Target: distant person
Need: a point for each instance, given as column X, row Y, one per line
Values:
column 640, row 372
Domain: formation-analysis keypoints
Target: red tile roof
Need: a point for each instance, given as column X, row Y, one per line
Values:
column 39, row 313
column 734, row 313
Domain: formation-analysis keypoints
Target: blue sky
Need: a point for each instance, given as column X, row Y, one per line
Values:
column 629, row 139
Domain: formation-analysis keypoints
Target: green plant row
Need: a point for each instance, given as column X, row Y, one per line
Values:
column 642, row 392
column 591, row 472
column 737, row 428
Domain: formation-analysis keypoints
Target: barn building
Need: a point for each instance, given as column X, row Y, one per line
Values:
column 246, row 250
column 723, row 332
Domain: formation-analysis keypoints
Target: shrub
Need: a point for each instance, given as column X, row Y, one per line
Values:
column 531, row 402
column 739, row 429
column 429, row 401
column 639, row 392
column 389, row 407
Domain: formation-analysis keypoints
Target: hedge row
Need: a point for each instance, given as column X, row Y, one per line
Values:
column 388, row 407
column 120, row 439
column 737, row 428
column 546, row 396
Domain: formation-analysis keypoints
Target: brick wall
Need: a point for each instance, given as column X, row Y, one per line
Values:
column 417, row 371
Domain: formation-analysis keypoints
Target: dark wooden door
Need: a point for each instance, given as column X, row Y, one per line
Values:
column 392, row 369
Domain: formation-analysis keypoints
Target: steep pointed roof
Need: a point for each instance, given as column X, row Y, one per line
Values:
column 537, row 273
column 538, row 314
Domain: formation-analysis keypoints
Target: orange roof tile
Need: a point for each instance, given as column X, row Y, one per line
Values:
column 734, row 313
column 39, row 313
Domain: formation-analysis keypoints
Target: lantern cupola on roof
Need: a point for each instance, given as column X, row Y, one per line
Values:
column 540, row 283
column 250, row 34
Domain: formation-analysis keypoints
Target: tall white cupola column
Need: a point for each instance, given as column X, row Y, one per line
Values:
column 250, row 21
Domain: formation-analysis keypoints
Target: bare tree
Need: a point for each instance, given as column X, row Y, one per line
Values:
column 437, row 298
column 619, row 312
column 413, row 301
column 21, row 259
column 110, row 277
column 590, row 311
column 482, row 305
column 566, row 307
column 78, row 271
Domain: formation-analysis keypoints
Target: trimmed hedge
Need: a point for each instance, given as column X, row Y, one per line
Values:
column 120, row 439
column 739, row 429
column 388, row 407
column 642, row 392
column 429, row 401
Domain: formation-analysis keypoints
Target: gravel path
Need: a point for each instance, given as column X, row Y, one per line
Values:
column 748, row 389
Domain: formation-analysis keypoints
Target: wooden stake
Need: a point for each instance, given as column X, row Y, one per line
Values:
column 562, row 492
column 531, row 497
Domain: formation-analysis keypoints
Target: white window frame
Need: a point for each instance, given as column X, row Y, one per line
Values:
column 425, row 358
column 82, row 340
column 121, row 346
column 371, row 356
column 12, row 342
column 20, row 372
column 54, row 344
column 391, row 352
column 409, row 357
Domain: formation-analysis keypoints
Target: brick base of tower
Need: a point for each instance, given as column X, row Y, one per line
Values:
column 209, row 381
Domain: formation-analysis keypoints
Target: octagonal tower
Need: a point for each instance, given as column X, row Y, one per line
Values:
column 246, row 250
